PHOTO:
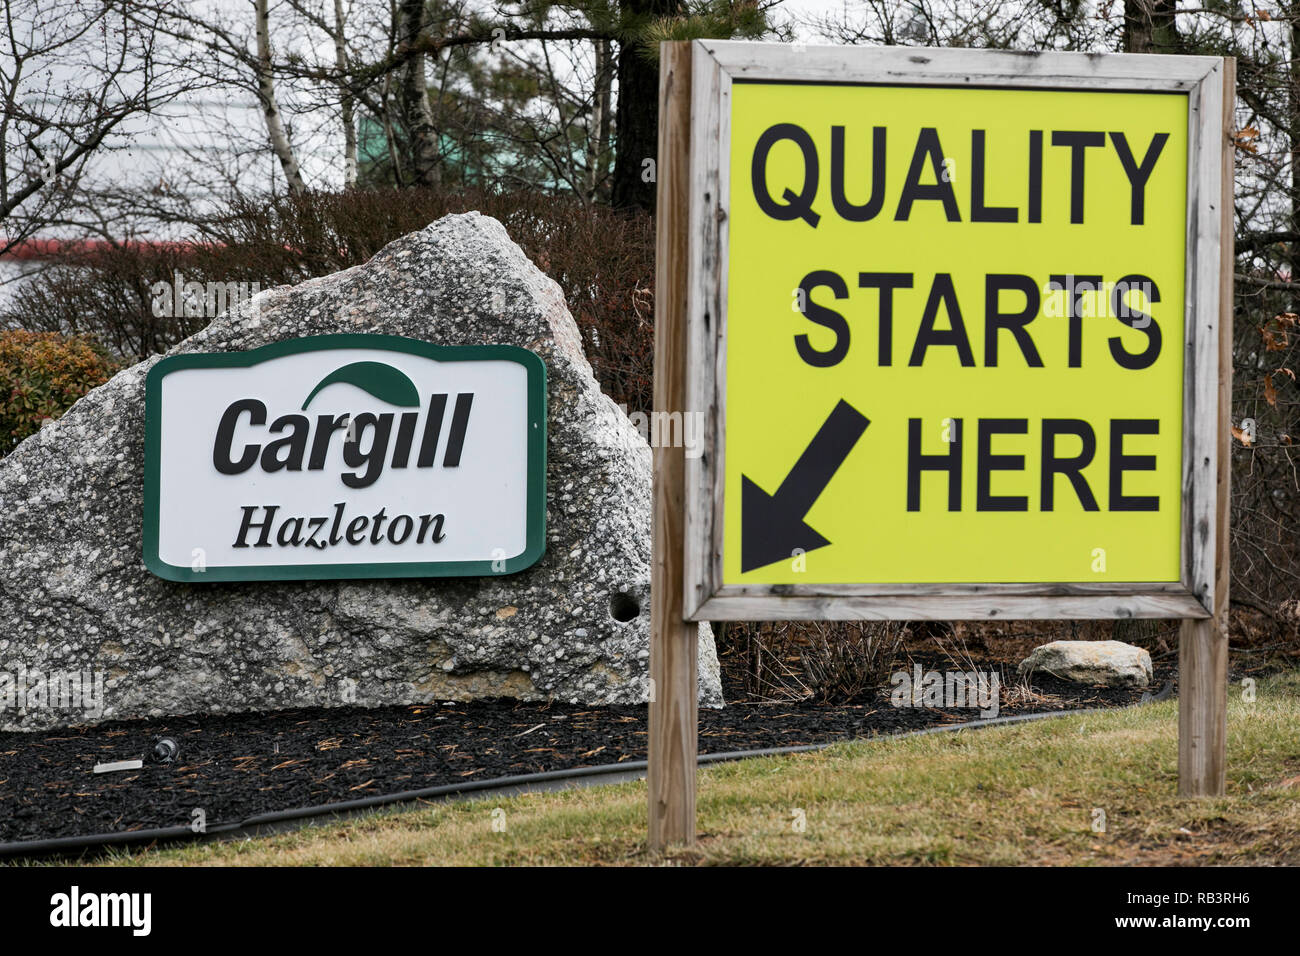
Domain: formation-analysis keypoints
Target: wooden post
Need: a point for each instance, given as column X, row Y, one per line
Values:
column 1203, row 644
column 673, row 641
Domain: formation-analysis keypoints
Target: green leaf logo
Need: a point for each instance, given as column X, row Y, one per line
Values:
column 382, row 381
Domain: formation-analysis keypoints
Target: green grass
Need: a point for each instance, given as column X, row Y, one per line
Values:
column 1018, row 794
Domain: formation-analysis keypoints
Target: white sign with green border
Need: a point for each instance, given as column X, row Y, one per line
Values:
column 345, row 456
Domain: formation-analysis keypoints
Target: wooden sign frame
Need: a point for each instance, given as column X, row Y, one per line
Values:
column 717, row 65
column 690, row 325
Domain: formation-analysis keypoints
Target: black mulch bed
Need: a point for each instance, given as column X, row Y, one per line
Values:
column 235, row 766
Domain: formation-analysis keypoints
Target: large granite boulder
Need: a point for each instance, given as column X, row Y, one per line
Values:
column 77, row 605
column 1110, row 663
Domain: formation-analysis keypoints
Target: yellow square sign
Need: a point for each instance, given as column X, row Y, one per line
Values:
column 955, row 326
column 954, row 342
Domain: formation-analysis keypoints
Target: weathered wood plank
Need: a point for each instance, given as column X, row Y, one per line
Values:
column 925, row 66
column 673, row 649
column 1204, row 284
column 706, row 318
column 765, row 607
column 1203, row 644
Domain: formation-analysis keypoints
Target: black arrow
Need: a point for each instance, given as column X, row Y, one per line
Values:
column 772, row 526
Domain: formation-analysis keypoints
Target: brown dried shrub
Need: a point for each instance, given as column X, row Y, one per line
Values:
column 603, row 261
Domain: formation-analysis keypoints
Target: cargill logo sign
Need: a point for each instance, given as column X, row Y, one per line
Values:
column 345, row 456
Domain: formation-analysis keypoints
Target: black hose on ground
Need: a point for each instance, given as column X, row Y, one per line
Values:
column 502, row 786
